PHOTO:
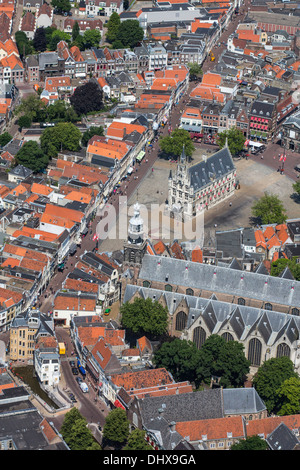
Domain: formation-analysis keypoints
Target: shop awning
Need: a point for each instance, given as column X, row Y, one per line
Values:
column 140, row 156
column 119, row 404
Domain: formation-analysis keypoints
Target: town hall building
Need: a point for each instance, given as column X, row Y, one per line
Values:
column 195, row 188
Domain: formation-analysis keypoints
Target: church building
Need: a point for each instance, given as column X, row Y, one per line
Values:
column 195, row 188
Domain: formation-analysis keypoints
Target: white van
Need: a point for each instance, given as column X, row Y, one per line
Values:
column 84, row 387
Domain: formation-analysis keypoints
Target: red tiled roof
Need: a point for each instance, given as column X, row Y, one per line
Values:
column 212, row 428
column 142, row 379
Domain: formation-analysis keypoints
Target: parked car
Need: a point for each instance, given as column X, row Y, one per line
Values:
column 297, row 168
column 84, row 387
column 72, row 364
column 79, row 380
column 72, row 397
column 75, row 371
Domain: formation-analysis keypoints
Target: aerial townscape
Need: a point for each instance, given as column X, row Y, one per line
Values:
column 149, row 227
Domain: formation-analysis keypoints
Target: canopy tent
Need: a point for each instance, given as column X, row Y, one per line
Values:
column 140, row 156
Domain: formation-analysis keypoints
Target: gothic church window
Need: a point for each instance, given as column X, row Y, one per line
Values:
column 254, row 352
column 181, row 320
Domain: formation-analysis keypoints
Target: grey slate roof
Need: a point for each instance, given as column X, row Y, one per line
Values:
column 206, row 404
column 220, row 279
column 218, row 165
column 217, row 314
column 282, row 438
column 242, row 400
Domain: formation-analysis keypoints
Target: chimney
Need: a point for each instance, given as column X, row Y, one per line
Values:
column 172, row 426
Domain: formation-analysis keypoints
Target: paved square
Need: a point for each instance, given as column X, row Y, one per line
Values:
column 254, row 177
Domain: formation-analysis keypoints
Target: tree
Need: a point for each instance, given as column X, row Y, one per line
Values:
column 63, row 136
column 145, row 316
column 91, row 38
column 269, row 378
column 5, row 138
column 289, row 397
column 130, row 33
column 180, row 357
column 235, row 138
column 61, row 6
column 279, row 265
column 116, row 427
column 251, row 443
column 75, row 31
column 70, row 418
column 56, row 37
column 172, row 145
column 136, row 441
column 61, row 111
column 32, row 107
column 39, row 40
column 24, row 121
column 93, row 130
column 269, row 210
column 222, row 359
column 23, row 44
column 113, row 27
column 296, row 187
column 87, row 98
column 32, row 156
column 75, row 432
column 195, row 70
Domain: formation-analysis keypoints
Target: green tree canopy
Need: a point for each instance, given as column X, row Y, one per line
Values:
column 91, row 38
column 87, row 98
column 61, row 111
column 222, row 359
column 24, row 121
column 32, row 107
column 23, row 44
column 235, row 138
column 57, row 36
column 195, row 70
column 113, row 27
column 172, row 144
column 296, row 187
column 61, row 6
column 289, row 397
column 279, row 265
column 90, row 132
column 144, row 316
column 116, row 427
column 32, row 156
column 136, row 441
column 63, row 136
column 75, row 31
column 75, row 432
column 180, row 357
column 130, row 33
column 269, row 210
column 269, row 378
column 251, row 443
column 5, row 138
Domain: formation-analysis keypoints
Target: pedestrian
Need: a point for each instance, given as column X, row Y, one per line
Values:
column 262, row 157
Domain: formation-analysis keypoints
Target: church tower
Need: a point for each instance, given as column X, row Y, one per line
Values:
column 136, row 244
